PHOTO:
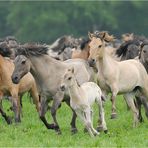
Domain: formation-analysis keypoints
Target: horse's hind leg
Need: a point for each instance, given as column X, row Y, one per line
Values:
column 130, row 100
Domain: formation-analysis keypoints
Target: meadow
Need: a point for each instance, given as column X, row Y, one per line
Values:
column 32, row 133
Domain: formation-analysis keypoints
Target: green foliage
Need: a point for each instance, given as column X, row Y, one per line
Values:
column 45, row 21
column 32, row 133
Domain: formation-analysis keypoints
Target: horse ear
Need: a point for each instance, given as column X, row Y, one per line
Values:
column 90, row 35
column 107, row 37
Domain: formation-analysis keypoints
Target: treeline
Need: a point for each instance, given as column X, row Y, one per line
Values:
column 45, row 21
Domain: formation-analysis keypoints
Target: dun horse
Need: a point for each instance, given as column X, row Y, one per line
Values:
column 82, row 98
column 47, row 72
column 126, row 77
column 15, row 91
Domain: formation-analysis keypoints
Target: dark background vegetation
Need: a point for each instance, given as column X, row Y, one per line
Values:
column 45, row 21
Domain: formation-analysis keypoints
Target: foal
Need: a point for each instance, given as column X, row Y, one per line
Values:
column 81, row 99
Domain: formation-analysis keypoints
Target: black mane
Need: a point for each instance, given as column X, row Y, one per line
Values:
column 123, row 48
column 61, row 44
column 32, row 50
column 84, row 43
column 4, row 50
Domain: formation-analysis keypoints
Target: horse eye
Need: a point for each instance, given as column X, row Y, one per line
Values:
column 144, row 51
column 100, row 46
column 69, row 78
column 23, row 62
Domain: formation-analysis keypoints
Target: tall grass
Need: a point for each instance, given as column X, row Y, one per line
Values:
column 32, row 133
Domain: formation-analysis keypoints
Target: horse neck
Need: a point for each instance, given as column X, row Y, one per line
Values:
column 1, row 60
column 85, row 53
column 45, row 66
column 74, row 90
column 2, row 64
column 104, row 60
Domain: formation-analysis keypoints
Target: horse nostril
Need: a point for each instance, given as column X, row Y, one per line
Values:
column 15, row 78
column 62, row 87
column 91, row 62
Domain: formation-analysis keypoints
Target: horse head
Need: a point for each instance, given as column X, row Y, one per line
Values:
column 22, row 67
column 97, row 44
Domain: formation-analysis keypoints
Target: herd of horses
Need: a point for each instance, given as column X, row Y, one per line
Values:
column 78, row 71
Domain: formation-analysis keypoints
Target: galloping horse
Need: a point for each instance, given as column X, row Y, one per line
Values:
column 47, row 72
column 126, row 77
column 82, row 98
column 15, row 91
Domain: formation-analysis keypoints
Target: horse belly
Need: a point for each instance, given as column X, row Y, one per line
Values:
column 127, row 86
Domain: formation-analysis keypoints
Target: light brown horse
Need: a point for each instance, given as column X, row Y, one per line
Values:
column 83, row 52
column 126, row 77
column 8, row 88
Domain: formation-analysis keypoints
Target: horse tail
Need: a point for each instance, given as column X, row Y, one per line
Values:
column 103, row 98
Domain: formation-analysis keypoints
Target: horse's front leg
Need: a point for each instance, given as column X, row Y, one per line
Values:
column 73, row 120
column 57, row 99
column 42, row 112
column 113, row 100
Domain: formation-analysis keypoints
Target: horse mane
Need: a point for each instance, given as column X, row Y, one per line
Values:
column 60, row 45
column 143, row 43
column 4, row 50
column 84, row 43
column 12, row 38
column 32, row 49
column 123, row 47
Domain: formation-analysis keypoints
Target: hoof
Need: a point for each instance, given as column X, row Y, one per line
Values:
column 96, row 134
column 105, row 131
column 9, row 120
column 113, row 116
column 58, row 132
column 140, row 119
column 99, row 128
column 74, row 131
column 17, row 120
column 85, row 130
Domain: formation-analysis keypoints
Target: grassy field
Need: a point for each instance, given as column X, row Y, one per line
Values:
column 32, row 133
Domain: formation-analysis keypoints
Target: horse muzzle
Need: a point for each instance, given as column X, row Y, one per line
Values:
column 91, row 62
column 62, row 87
column 15, row 79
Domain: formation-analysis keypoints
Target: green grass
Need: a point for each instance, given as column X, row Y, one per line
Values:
column 32, row 133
